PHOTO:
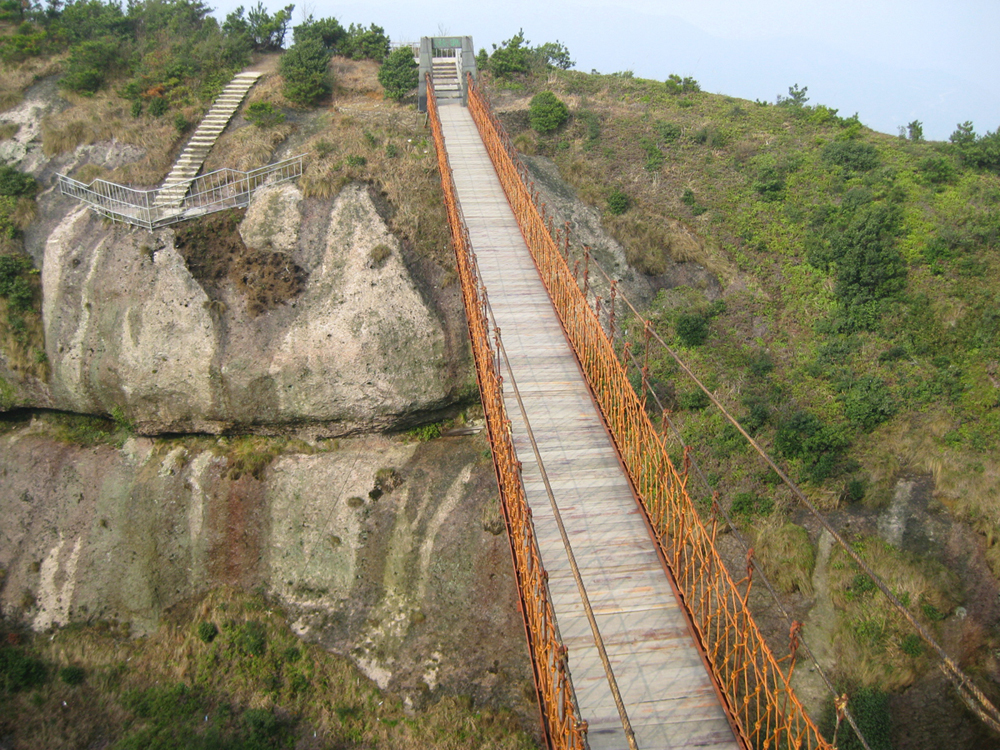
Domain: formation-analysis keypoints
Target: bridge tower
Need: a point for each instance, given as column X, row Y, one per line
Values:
column 447, row 59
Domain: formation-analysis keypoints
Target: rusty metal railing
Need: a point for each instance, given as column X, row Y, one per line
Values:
column 759, row 697
column 563, row 726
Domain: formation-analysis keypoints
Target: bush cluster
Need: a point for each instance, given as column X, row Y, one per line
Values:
column 515, row 56
column 305, row 70
column 399, row 74
column 547, row 113
column 618, row 202
column 804, row 436
column 264, row 115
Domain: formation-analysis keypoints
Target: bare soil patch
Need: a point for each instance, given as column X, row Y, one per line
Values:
column 215, row 254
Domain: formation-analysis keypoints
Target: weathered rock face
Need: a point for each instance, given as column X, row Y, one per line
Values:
column 410, row 585
column 128, row 327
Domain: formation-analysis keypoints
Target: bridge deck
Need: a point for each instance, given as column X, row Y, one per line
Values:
column 666, row 690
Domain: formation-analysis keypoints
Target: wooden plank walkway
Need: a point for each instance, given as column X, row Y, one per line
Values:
column 667, row 692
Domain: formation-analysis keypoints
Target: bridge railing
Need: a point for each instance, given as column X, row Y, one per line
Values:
column 760, row 700
column 557, row 700
column 215, row 191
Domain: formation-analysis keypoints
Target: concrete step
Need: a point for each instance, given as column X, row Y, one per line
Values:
column 196, row 150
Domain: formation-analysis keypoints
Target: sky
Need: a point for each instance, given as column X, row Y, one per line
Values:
column 890, row 61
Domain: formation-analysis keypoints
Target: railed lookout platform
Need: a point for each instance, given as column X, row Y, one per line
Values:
column 665, row 686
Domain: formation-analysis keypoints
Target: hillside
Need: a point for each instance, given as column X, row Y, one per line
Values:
column 278, row 399
column 836, row 289
column 243, row 472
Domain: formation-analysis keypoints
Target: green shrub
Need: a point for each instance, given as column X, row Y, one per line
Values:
column 870, row 269
column 692, row 328
column 749, row 505
column 592, row 125
column 852, row 155
column 870, row 709
column 207, row 631
column 770, row 184
column 758, row 416
column 365, row 44
column 937, row 169
column 356, row 161
column 512, row 57
column 17, row 184
column 547, row 113
column 304, row 68
column 327, row 31
column 399, row 74
column 181, row 123
column 263, row 31
column 136, row 108
column 425, row 432
column 805, row 437
column 912, row 645
column 855, row 490
column 694, row 400
column 618, row 202
column 710, row 136
column 250, row 638
column 654, row 157
column 18, row 671
column 677, row 85
column 14, row 286
column 669, row 131
column 868, row 402
column 264, row 115
column 158, row 106
column 760, row 363
column 72, row 675
column 89, row 64
column 262, row 729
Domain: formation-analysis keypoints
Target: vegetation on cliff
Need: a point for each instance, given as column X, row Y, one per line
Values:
column 223, row 672
column 854, row 331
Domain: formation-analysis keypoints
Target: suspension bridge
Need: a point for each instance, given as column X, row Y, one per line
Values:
column 640, row 636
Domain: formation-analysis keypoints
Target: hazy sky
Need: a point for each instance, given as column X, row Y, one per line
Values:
column 891, row 61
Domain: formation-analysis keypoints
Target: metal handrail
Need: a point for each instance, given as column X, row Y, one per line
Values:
column 215, row 191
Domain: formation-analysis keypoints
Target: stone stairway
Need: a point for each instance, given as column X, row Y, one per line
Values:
column 446, row 83
column 186, row 168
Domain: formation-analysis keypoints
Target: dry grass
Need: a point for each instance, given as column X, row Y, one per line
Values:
column 25, row 212
column 786, row 554
column 22, row 340
column 87, row 173
column 16, row 79
column 246, row 148
column 366, row 138
column 268, row 89
column 966, row 486
column 105, row 117
column 492, row 518
column 355, row 77
column 875, row 644
column 315, row 694
column 8, row 130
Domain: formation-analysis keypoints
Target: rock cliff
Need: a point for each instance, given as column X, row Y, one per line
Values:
column 129, row 329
